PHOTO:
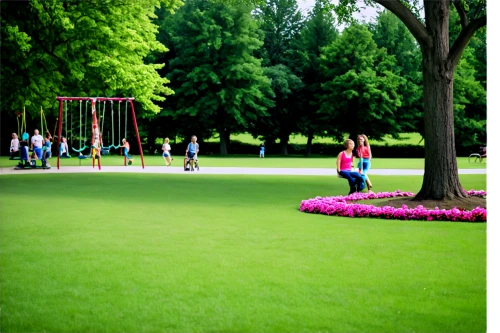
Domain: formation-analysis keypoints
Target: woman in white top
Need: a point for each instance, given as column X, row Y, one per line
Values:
column 166, row 152
column 14, row 146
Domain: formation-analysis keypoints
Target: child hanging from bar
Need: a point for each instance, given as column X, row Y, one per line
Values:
column 96, row 142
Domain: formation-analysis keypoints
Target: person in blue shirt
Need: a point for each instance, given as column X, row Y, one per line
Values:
column 262, row 150
column 47, row 146
column 192, row 151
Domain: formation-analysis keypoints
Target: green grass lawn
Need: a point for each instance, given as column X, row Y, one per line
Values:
column 405, row 138
column 255, row 162
column 201, row 253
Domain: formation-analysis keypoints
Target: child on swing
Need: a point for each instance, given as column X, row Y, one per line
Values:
column 25, row 157
column 64, row 149
column 47, row 146
column 47, row 149
column 126, row 148
column 166, row 152
column 14, row 146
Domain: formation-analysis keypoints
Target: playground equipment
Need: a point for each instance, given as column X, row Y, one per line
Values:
column 80, row 146
column 96, row 139
column 25, row 161
column 105, row 149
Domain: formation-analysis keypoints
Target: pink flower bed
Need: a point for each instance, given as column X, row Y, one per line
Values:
column 339, row 206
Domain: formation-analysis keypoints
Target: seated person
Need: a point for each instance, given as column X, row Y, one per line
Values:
column 14, row 146
column 191, row 152
column 25, row 158
column 345, row 160
column 37, row 144
column 47, row 146
column 63, row 149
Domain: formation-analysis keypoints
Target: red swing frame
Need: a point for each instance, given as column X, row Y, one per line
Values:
column 96, row 99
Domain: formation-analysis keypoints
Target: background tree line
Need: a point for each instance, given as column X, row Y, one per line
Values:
column 213, row 69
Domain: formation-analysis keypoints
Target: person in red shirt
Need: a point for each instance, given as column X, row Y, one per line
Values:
column 364, row 154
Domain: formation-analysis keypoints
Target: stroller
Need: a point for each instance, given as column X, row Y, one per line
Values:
column 191, row 167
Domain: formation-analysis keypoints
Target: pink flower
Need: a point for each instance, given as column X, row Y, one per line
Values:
column 339, row 206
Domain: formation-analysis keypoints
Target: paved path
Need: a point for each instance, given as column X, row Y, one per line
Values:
column 227, row 171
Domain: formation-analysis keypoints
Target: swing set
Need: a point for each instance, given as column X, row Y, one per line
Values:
column 83, row 127
column 96, row 143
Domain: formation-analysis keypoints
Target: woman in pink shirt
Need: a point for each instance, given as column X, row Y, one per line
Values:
column 364, row 154
column 345, row 161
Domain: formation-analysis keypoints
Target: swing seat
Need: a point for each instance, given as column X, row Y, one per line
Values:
column 104, row 151
column 23, row 164
column 15, row 155
column 79, row 150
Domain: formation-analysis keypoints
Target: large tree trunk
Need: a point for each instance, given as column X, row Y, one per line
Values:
column 310, row 136
column 284, row 143
column 441, row 173
column 223, row 137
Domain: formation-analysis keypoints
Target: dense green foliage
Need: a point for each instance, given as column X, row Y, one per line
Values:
column 79, row 48
column 219, row 84
column 263, row 68
column 360, row 93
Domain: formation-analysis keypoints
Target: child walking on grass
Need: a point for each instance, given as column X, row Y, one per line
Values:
column 166, row 152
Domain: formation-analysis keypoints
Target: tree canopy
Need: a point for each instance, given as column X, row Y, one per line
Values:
column 219, row 84
column 80, row 48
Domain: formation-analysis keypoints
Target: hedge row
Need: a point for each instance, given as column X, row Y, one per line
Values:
column 237, row 147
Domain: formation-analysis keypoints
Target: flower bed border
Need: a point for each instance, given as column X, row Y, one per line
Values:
column 339, row 206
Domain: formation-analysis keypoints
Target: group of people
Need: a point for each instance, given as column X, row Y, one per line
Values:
column 41, row 146
column 358, row 179
column 191, row 152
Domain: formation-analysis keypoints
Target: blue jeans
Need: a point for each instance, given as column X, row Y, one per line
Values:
column 38, row 152
column 366, row 165
column 354, row 179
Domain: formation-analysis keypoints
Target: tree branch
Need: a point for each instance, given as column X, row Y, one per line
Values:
column 464, row 21
column 417, row 29
column 463, row 39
